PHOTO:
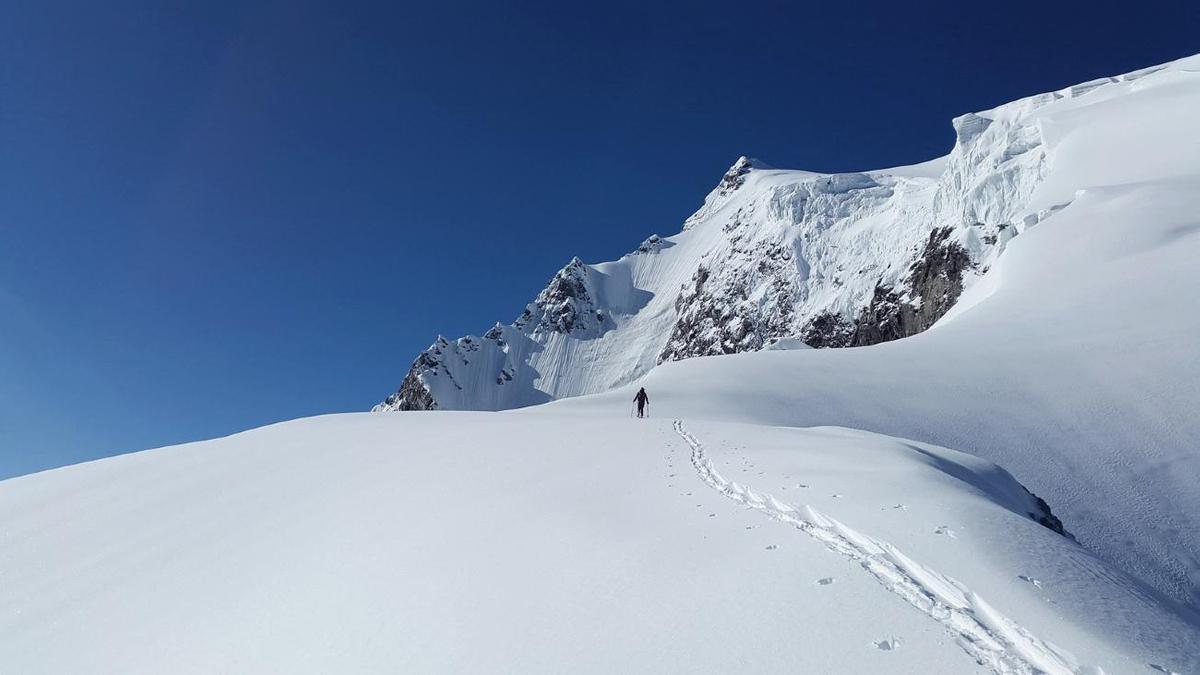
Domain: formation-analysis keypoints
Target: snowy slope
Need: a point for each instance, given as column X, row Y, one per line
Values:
column 833, row 259
column 771, row 515
column 474, row 542
column 1073, row 363
column 765, row 257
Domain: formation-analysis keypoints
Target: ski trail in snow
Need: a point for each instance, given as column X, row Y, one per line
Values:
column 992, row 639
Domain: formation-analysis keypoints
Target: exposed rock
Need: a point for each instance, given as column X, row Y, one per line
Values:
column 505, row 375
column 412, row 394
column 565, row 305
column 1047, row 519
column 710, row 323
column 495, row 334
column 735, row 176
column 933, row 285
column 827, row 330
column 724, row 319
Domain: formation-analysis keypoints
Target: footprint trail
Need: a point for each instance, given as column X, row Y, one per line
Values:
column 993, row 640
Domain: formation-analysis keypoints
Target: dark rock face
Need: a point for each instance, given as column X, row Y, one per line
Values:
column 887, row 317
column 709, row 324
column 564, row 306
column 413, row 395
column 931, row 289
column 721, row 319
column 1047, row 519
column 827, row 330
column 506, row 375
column 495, row 334
column 735, row 176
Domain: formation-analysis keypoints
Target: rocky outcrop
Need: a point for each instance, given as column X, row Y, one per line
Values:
column 932, row 287
column 565, row 306
column 1046, row 518
column 721, row 320
column 449, row 372
column 827, row 330
column 750, row 304
column 413, row 394
column 711, row 323
column 735, row 177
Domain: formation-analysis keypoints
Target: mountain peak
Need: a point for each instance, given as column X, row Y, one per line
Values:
column 736, row 175
column 835, row 260
column 746, row 163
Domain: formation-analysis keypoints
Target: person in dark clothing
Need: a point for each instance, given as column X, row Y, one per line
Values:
column 641, row 399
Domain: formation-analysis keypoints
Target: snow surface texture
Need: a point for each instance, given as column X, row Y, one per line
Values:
column 516, row 542
column 723, row 536
column 1073, row 363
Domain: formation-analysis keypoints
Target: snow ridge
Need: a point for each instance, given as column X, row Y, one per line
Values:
column 832, row 260
column 993, row 640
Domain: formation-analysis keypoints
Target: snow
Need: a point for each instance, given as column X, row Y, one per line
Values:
column 1071, row 362
column 1078, row 373
column 455, row 542
column 783, row 248
column 826, row 224
column 813, row 510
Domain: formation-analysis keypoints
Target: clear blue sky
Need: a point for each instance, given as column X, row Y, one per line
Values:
column 217, row 215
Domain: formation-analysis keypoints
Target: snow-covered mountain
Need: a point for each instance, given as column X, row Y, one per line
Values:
column 1073, row 362
column 834, row 260
column 1010, row 489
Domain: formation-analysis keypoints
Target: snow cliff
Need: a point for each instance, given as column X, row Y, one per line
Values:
column 834, row 260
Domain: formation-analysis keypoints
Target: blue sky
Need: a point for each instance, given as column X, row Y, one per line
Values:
column 219, row 215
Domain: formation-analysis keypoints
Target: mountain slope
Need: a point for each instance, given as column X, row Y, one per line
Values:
column 455, row 542
column 833, row 259
column 784, row 508
column 1073, row 363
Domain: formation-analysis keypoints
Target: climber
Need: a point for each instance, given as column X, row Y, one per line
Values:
column 642, row 401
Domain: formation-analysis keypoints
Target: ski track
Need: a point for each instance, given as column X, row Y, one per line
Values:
column 993, row 640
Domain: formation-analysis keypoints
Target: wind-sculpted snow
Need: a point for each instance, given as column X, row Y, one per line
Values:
column 537, row 543
column 1074, row 363
column 1058, row 244
column 835, row 260
column 990, row 638
column 1069, row 356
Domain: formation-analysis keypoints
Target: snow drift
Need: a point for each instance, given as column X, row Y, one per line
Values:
column 475, row 542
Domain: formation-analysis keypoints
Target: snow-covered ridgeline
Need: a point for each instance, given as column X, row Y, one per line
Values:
column 1071, row 362
column 831, row 259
